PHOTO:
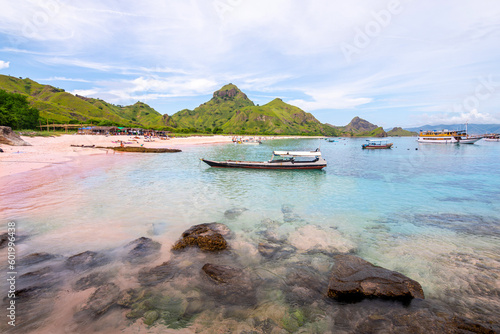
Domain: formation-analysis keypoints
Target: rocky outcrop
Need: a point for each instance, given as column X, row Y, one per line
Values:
column 234, row 212
column 35, row 258
column 158, row 274
column 229, row 285
column 353, row 279
column 207, row 237
column 9, row 137
column 102, row 299
column 141, row 248
column 92, row 280
column 86, row 260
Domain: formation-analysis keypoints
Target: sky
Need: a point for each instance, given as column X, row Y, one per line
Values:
column 392, row 62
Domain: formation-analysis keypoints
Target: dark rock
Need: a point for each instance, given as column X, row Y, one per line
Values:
column 142, row 247
column 9, row 137
column 304, row 285
column 92, row 280
column 276, row 251
column 467, row 326
column 4, row 239
column 165, row 271
column 286, row 208
column 354, row 278
column 229, row 285
column 234, row 213
column 102, row 299
column 208, row 237
column 35, row 258
column 86, row 260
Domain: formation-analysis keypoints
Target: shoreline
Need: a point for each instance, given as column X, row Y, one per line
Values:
column 49, row 151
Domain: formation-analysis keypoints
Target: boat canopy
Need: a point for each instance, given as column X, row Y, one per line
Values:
column 297, row 153
column 377, row 140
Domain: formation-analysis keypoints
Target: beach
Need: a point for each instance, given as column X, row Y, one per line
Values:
column 46, row 151
column 92, row 229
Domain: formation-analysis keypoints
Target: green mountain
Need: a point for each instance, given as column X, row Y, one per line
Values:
column 57, row 106
column 359, row 127
column 399, row 132
column 230, row 111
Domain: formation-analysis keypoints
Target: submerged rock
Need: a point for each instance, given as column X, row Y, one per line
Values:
column 234, row 213
column 353, row 279
column 142, row 247
column 207, row 237
column 102, row 299
column 157, row 228
column 275, row 251
column 158, row 274
column 86, row 260
column 229, row 285
column 91, row 280
column 35, row 258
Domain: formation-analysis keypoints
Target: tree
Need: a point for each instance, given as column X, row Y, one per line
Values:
column 16, row 112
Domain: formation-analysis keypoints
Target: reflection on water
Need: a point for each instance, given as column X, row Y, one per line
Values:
column 429, row 212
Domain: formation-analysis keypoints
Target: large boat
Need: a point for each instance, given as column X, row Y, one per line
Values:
column 280, row 160
column 377, row 144
column 447, row 137
column 492, row 137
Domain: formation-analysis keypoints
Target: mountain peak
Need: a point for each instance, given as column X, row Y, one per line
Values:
column 359, row 124
column 230, row 91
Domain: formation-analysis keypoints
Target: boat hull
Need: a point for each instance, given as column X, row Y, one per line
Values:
column 376, row 147
column 266, row 165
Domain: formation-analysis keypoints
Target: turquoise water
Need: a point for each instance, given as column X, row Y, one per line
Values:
column 431, row 212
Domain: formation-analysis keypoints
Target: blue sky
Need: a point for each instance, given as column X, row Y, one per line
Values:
column 394, row 63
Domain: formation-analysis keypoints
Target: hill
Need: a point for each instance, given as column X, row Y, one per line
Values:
column 399, row 132
column 231, row 111
column 57, row 106
column 359, row 127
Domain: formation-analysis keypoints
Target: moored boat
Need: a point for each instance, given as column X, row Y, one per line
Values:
column 492, row 137
column 447, row 137
column 377, row 144
column 280, row 160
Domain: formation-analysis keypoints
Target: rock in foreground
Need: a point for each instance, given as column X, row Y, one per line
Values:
column 353, row 279
column 9, row 137
column 207, row 237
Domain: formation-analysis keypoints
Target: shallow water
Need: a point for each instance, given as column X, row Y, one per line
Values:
column 431, row 212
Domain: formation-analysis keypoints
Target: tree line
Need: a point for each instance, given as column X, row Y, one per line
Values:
column 16, row 112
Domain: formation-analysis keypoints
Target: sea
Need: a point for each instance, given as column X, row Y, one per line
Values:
column 428, row 211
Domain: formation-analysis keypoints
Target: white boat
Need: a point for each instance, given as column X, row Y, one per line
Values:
column 492, row 137
column 447, row 137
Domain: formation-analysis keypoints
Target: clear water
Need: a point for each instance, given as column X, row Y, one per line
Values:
column 431, row 212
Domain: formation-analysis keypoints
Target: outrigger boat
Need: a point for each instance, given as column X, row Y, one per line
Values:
column 376, row 144
column 280, row 160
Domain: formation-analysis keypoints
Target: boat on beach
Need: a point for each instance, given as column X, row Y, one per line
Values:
column 377, row 144
column 280, row 160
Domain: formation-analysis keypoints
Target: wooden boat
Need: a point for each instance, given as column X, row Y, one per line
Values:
column 492, row 137
column 447, row 137
column 376, row 144
column 280, row 160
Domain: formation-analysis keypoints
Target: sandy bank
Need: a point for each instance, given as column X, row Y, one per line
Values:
column 46, row 151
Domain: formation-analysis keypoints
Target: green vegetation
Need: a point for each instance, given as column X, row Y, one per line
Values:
column 399, row 132
column 359, row 127
column 59, row 107
column 16, row 112
column 231, row 112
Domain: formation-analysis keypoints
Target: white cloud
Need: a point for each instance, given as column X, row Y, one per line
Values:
column 473, row 116
column 4, row 64
column 333, row 98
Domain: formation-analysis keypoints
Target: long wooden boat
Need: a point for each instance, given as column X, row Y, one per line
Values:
column 281, row 160
column 492, row 137
column 376, row 144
